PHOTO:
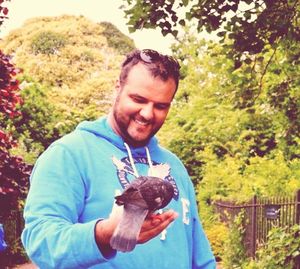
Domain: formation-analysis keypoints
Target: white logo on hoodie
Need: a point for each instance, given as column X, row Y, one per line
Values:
column 161, row 170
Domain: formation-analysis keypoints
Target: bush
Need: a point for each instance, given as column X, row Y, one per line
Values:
column 281, row 250
column 234, row 251
column 217, row 235
column 47, row 43
column 34, row 128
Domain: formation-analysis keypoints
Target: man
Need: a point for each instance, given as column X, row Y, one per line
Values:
column 70, row 214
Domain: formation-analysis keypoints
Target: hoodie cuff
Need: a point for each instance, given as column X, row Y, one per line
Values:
column 85, row 234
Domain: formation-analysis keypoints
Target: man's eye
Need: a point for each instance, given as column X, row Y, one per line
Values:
column 138, row 100
column 161, row 106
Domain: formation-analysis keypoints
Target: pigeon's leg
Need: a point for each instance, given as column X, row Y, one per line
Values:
column 126, row 234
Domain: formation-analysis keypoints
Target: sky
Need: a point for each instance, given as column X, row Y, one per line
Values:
column 95, row 10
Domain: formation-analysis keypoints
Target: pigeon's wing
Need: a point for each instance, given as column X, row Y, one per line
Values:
column 131, row 195
column 156, row 192
column 126, row 234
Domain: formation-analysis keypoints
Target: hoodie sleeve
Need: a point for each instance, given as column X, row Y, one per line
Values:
column 203, row 257
column 52, row 237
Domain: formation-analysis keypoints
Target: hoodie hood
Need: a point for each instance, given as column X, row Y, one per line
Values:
column 102, row 129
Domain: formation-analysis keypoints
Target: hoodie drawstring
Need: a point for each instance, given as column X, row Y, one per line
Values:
column 135, row 172
column 131, row 160
column 149, row 161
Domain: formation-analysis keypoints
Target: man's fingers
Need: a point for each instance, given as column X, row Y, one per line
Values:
column 154, row 225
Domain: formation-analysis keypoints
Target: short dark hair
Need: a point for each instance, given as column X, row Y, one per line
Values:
column 160, row 65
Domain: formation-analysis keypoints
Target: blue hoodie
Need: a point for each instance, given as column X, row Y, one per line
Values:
column 73, row 185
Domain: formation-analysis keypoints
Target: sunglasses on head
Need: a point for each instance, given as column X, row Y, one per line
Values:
column 152, row 56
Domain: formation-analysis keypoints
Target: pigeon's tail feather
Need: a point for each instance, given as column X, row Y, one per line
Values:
column 122, row 243
column 126, row 234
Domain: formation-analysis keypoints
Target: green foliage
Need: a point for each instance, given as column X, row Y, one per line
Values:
column 262, row 176
column 234, row 251
column 47, row 43
column 231, row 132
column 250, row 24
column 44, row 120
column 280, row 252
column 117, row 39
column 217, row 235
column 35, row 126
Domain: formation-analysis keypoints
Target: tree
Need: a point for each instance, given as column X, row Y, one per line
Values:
column 13, row 171
column 250, row 24
column 117, row 39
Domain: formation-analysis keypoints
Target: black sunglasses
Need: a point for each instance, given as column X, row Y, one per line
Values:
column 152, row 56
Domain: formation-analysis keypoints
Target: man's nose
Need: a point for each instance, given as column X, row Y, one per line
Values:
column 147, row 112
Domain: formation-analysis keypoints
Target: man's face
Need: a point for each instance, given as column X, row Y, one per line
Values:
column 141, row 105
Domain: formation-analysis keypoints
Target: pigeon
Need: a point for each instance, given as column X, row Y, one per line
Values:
column 142, row 196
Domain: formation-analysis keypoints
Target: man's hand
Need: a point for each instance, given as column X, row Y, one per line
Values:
column 153, row 225
column 144, row 195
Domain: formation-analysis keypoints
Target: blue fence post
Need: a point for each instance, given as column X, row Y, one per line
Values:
column 3, row 245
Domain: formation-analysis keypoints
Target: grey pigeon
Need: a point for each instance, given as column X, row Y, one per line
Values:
column 143, row 195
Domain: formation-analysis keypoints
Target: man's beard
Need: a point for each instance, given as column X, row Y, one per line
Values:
column 123, row 124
